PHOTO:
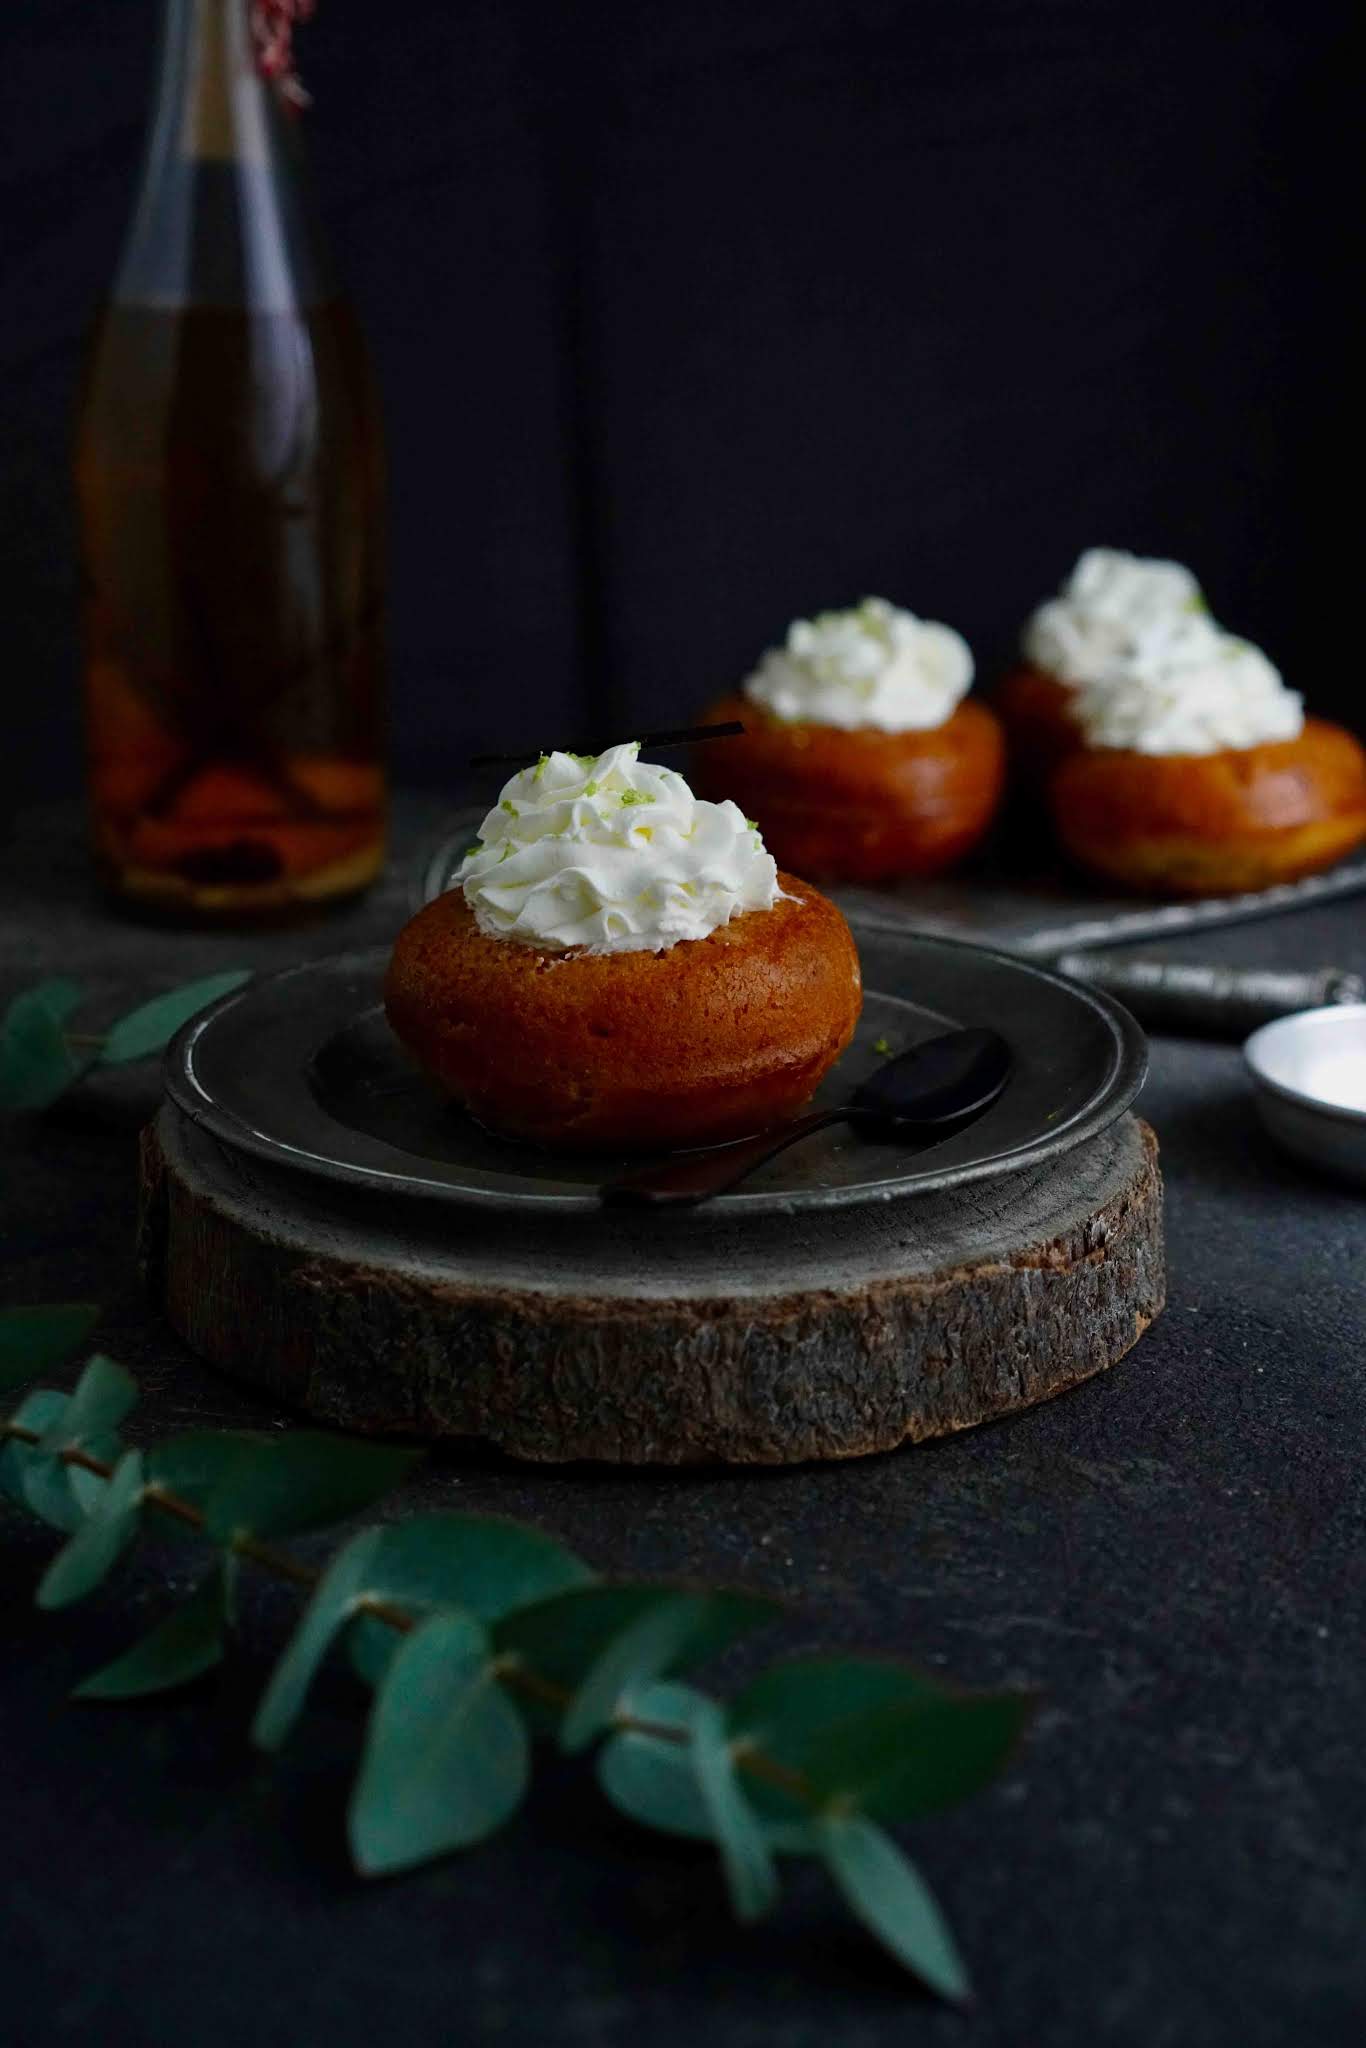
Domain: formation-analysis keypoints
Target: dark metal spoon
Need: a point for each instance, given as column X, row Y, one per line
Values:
column 927, row 1093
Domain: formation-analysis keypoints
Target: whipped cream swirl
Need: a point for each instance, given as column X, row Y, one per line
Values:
column 1114, row 608
column 875, row 667
column 612, row 854
column 1211, row 692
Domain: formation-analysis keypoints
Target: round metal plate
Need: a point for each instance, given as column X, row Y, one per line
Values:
column 302, row 1070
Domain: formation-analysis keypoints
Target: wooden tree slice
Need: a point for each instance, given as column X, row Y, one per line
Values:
column 657, row 1339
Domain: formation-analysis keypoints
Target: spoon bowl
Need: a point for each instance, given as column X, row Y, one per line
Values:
column 942, row 1080
column 922, row 1096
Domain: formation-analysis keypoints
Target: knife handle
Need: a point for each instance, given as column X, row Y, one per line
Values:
column 1210, row 1002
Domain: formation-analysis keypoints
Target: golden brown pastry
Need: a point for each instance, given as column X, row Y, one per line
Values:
column 1217, row 823
column 623, row 967
column 861, row 806
column 861, row 759
column 1175, row 760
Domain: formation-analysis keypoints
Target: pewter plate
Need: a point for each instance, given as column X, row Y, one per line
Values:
column 1008, row 897
column 302, row 1070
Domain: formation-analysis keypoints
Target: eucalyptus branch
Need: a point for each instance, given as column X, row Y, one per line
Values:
column 516, row 1676
column 42, row 1058
column 477, row 1634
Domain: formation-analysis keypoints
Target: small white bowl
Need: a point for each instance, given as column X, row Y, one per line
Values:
column 1309, row 1075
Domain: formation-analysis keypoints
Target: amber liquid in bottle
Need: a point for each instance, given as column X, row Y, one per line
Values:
column 230, row 479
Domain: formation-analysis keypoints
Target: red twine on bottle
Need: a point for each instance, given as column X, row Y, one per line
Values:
column 273, row 23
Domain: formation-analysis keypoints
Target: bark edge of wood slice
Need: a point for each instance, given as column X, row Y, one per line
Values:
column 634, row 1340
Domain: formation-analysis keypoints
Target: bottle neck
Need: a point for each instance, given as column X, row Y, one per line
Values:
column 223, row 215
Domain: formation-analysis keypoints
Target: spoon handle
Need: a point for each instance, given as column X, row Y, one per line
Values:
column 696, row 1176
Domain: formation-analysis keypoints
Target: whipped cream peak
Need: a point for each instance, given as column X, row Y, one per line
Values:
column 1115, row 608
column 613, row 854
column 873, row 667
column 1210, row 693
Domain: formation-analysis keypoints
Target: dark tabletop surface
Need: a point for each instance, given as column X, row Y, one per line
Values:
column 1173, row 1554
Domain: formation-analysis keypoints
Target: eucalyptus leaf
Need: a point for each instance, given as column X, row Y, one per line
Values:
column 676, row 1629
column 45, row 1487
column 152, row 1025
column 798, row 1698
column 875, row 1733
column 22, row 1468
column 59, row 997
column 89, row 1488
column 332, row 1605
column 37, row 1476
column 35, row 1340
column 562, row 1636
column 653, row 1643
column 902, row 1762
column 186, row 1644
column 745, row 1854
column 446, row 1754
column 593, row 1642
column 304, row 1479
column 888, row 1894
column 87, row 1420
column 36, row 1063
column 100, row 1541
column 103, row 1395
column 63, row 1494
column 190, row 1466
column 37, row 1413
column 484, row 1565
column 650, row 1778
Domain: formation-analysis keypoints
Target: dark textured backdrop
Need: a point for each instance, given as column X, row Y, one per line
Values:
column 690, row 316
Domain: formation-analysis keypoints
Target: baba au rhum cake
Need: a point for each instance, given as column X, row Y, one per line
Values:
column 863, row 758
column 1206, row 778
column 1172, row 756
column 1114, row 609
column 620, row 964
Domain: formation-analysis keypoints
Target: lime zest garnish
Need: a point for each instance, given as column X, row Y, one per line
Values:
column 506, row 853
column 591, row 788
column 510, row 808
column 638, row 796
column 882, row 1046
column 540, row 767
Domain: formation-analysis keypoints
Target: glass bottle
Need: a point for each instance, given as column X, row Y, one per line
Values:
column 229, row 476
